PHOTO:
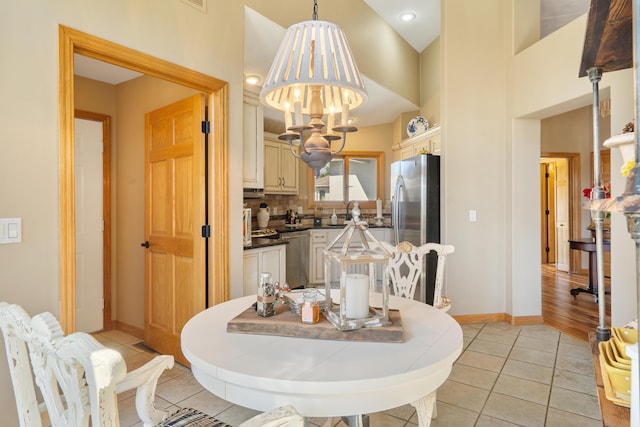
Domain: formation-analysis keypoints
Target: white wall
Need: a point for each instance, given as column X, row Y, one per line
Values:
column 210, row 43
column 547, row 83
column 475, row 154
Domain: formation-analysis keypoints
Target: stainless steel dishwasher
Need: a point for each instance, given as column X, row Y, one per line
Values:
column 297, row 258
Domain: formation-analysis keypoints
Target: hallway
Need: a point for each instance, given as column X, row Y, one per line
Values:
column 577, row 317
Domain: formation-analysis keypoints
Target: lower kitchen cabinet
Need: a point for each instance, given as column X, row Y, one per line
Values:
column 319, row 239
column 271, row 259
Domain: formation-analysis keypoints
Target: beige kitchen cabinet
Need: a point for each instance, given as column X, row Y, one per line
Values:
column 252, row 141
column 425, row 142
column 319, row 239
column 271, row 259
column 281, row 167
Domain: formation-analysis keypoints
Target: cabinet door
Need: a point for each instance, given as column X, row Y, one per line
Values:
column 421, row 147
column 316, row 264
column 273, row 261
column 289, row 170
column 272, row 155
column 317, row 242
column 251, row 271
column 435, row 145
column 406, row 152
column 252, row 142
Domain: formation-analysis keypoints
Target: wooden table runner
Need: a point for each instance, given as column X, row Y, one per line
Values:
column 287, row 324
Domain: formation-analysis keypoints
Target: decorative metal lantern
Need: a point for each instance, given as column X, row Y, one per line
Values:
column 361, row 265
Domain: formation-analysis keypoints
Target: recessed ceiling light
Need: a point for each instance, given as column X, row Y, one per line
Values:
column 252, row 79
column 408, row 16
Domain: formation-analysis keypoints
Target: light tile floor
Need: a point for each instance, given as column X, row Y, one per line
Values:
column 506, row 376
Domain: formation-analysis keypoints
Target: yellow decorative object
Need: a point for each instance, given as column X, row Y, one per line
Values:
column 627, row 335
column 618, row 351
column 627, row 167
column 608, row 388
column 620, row 378
column 605, row 348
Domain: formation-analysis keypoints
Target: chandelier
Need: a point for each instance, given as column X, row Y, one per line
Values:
column 314, row 74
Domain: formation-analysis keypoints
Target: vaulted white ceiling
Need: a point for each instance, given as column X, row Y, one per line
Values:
column 263, row 36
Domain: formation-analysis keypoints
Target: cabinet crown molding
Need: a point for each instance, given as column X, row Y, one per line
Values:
column 417, row 138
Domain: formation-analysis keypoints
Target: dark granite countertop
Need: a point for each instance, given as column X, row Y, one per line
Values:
column 261, row 242
column 341, row 226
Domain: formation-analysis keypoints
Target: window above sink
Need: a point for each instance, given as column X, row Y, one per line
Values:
column 349, row 176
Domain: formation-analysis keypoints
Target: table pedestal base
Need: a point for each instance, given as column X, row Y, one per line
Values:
column 589, row 246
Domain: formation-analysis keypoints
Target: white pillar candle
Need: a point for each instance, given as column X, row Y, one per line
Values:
column 287, row 116
column 344, row 117
column 378, row 208
column 297, row 108
column 357, row 296
column 330, row 120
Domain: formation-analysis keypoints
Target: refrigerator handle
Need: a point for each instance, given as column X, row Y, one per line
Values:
column 395, row 208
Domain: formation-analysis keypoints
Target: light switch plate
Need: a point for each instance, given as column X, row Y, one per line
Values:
column 10, row 230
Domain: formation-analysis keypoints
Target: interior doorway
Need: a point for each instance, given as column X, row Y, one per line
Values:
column 560, row 208
column 75, row 42
column 93, row 223
column 554, row 201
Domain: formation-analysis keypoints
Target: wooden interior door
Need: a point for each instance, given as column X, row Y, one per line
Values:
column 547, row 214
column 174, row 214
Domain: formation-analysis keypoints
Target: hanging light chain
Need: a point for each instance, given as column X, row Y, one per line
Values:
column 315, row 10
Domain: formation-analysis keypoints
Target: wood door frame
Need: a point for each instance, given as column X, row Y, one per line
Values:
column 106, row 209
column 575, row 194
column 72, row 41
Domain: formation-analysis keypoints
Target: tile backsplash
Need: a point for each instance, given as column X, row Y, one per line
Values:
column 280, row 204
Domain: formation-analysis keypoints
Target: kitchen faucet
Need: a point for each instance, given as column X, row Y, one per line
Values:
column 348, row 216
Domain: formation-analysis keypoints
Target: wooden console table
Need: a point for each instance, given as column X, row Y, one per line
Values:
column 589, row 245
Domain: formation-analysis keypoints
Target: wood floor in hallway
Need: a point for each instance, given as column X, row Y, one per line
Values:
column 560, row 310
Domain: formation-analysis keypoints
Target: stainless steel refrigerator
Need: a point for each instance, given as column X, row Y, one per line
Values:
column 415, row 211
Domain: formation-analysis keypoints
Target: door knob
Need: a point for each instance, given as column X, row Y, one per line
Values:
column 145, row 244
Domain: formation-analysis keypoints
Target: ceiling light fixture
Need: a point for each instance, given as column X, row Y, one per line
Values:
column 252, row 79
column 314, row 73
column 408, row 16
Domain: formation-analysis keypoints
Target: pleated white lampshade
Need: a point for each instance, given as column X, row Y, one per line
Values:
column 314, row 53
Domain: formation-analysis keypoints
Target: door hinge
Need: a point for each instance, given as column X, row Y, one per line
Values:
column 206, row 126
column 547, row 212
column 547, row 249
column 206, row 231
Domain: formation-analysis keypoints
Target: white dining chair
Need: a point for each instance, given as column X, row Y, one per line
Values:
column 405, row 269
column 79, row 379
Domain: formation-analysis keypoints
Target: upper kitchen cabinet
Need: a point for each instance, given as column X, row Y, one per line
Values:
column 428, row 142
column 252, row 142
column 281, row 168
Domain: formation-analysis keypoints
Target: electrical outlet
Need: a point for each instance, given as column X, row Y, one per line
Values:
column 472, row 216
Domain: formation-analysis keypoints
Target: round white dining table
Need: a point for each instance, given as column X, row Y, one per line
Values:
column 322, row 378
